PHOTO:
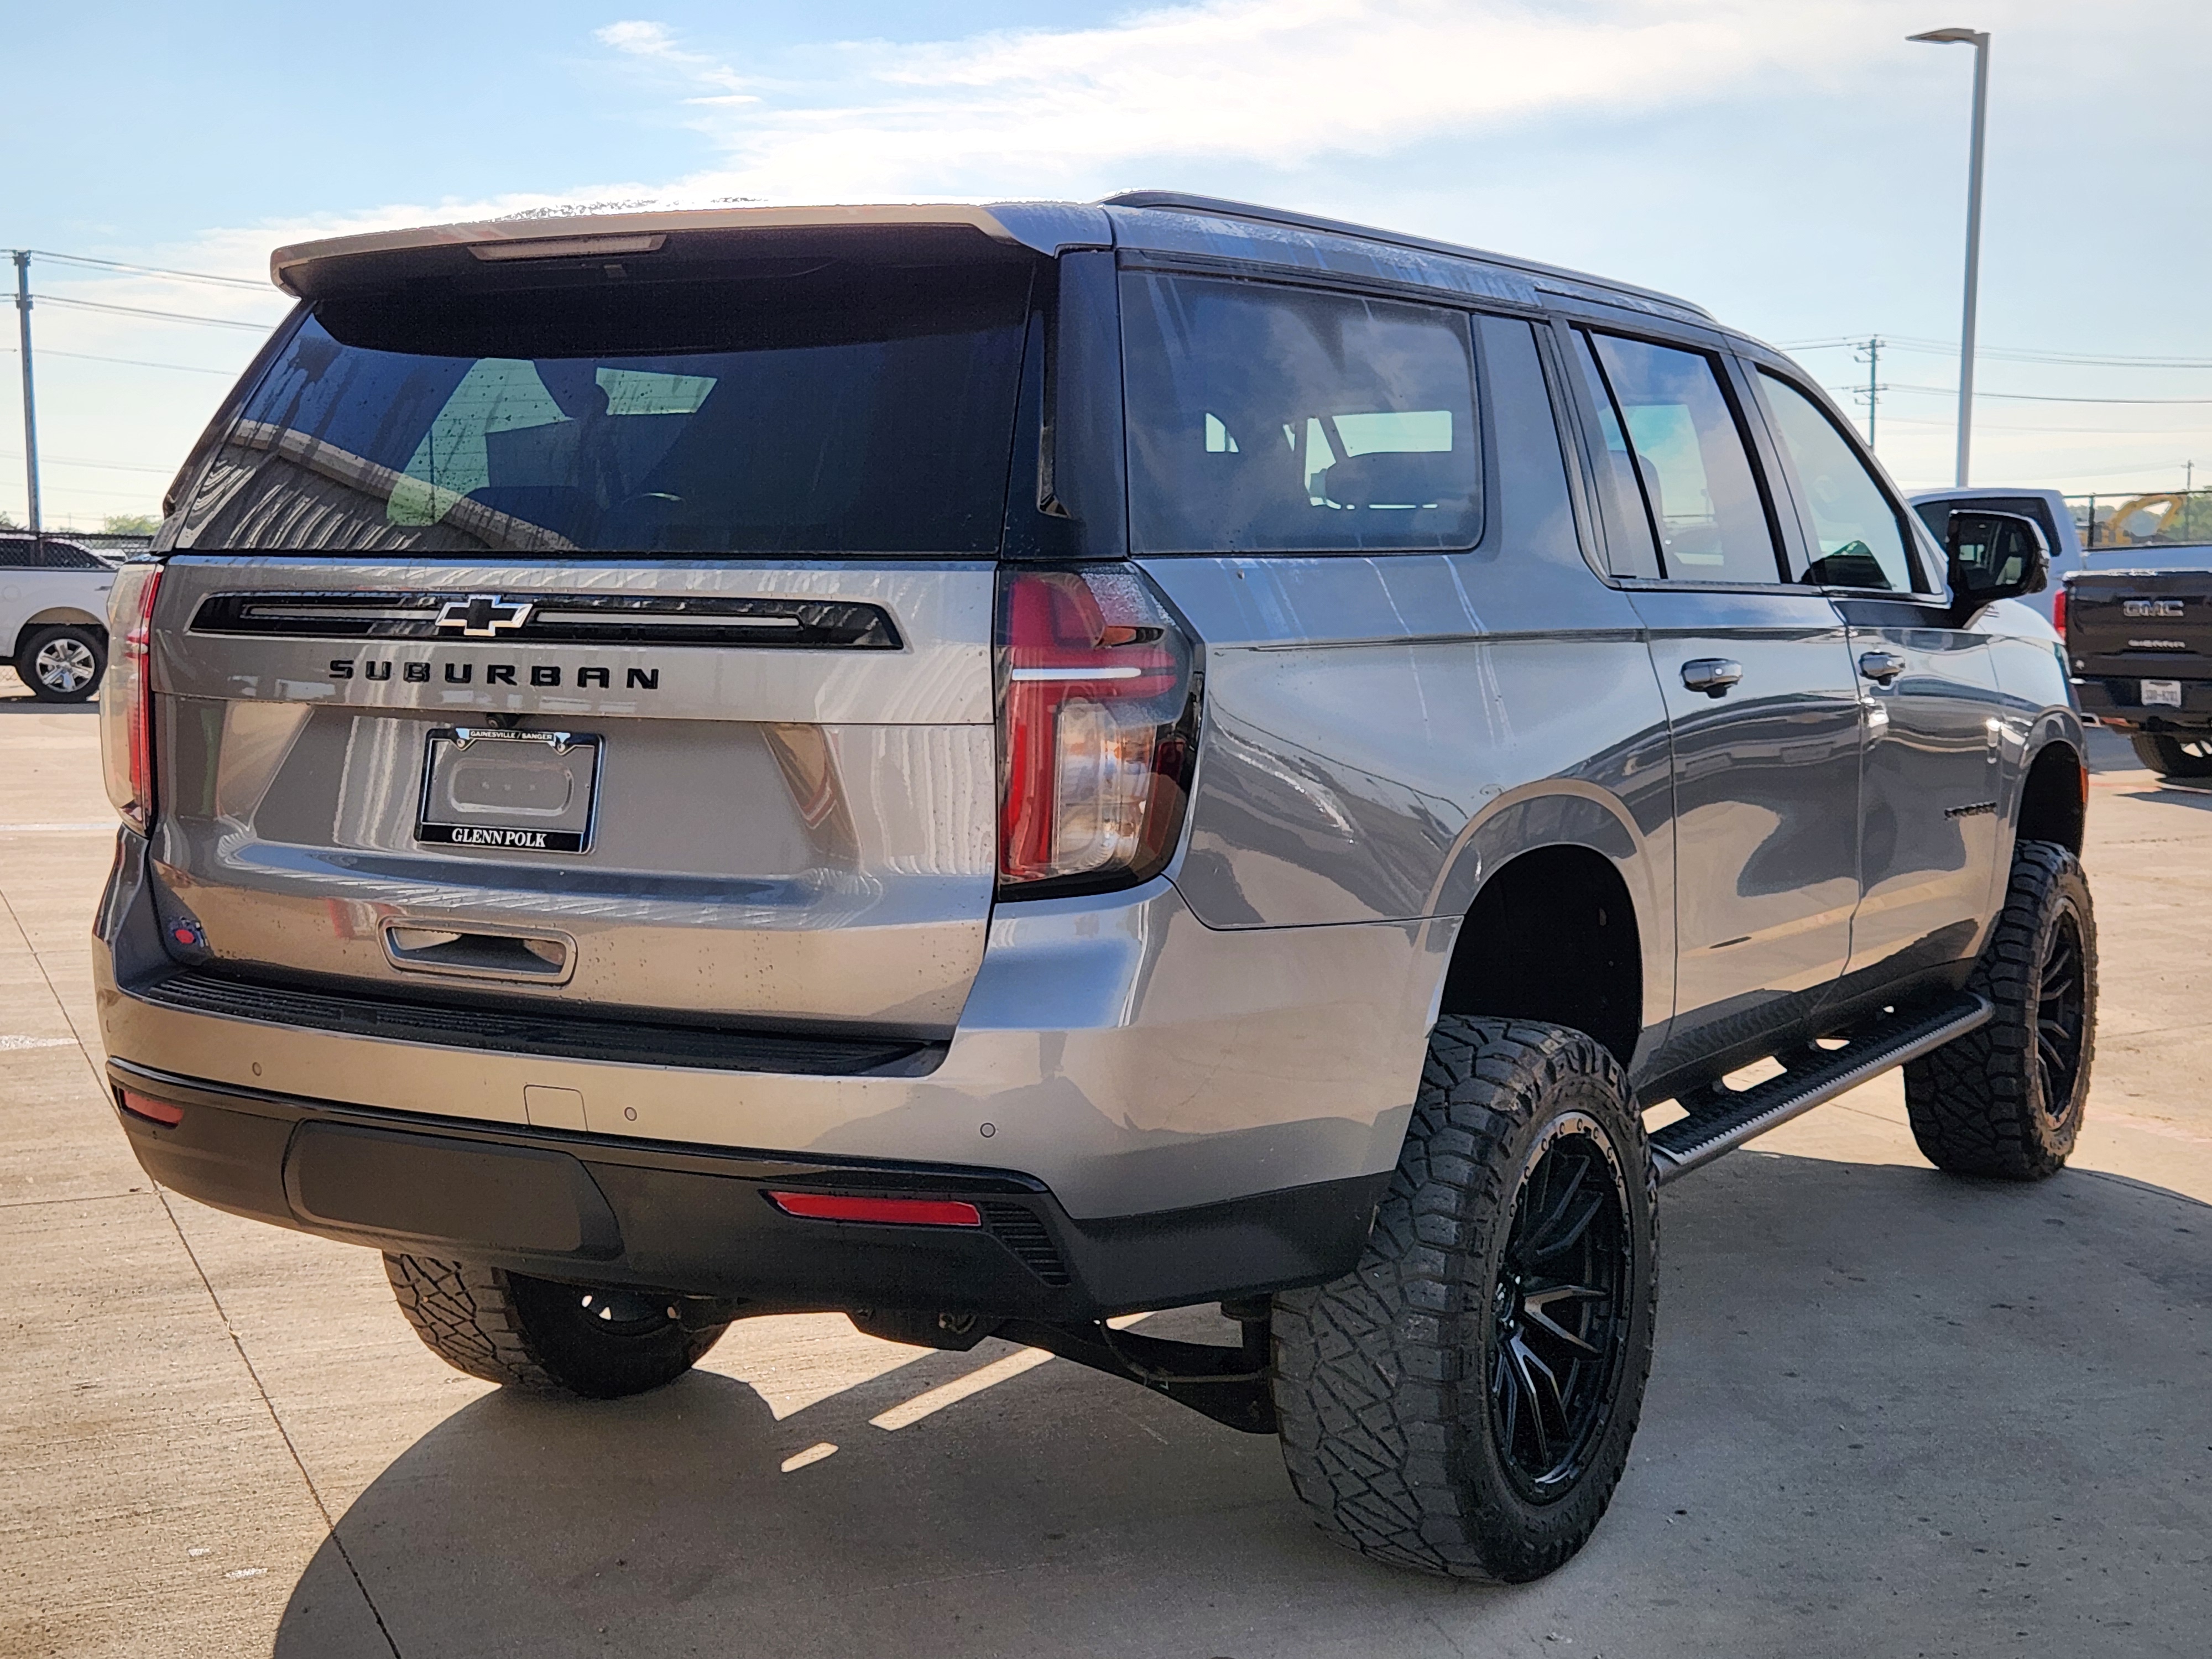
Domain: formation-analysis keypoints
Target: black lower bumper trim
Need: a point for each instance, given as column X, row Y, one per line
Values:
column 542, row 1032
column 600, row 1210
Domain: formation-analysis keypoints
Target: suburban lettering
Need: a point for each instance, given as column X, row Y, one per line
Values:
column 542, row 675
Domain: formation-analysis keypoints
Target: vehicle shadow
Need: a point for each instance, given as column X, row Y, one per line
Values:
column 1891, row 1412
column 25, row 703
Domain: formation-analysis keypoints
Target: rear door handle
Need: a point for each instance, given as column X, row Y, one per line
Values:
column 1881, row 666
column 1712, row 675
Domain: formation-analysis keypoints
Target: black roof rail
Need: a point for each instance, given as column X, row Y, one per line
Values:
column 1228, row 210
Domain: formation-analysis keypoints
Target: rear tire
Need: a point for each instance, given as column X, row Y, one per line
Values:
column 2173, row 757
column 2007, row 1100
column 1463, row 1400
column 545, row 1338
column 62, row 665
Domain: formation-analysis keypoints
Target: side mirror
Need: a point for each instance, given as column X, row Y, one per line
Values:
column 1994, row 556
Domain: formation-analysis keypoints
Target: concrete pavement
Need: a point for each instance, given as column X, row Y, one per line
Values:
column 1892, row 1412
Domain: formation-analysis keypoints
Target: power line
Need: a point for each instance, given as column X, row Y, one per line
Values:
column 106, row 466
column 132, row 363
column 2010, row 354
column 143, row 311
column 151, row 270
column 2043, row 397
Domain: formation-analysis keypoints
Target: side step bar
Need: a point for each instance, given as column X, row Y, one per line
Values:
column 1721, row 1120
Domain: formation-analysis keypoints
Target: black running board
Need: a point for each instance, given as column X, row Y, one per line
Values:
column 1721, row 1120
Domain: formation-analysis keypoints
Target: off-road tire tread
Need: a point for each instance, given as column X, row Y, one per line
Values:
column 1971, row 1102
column 1366, row 1368
column 466, row 1313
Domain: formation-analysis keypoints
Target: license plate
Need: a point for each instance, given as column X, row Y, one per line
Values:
column 2161, row 694
column 526, row 792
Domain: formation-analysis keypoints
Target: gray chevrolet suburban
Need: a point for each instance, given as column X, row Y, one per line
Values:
column 991, row 768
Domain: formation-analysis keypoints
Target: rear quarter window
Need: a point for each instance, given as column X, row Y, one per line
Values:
column 1279, row 420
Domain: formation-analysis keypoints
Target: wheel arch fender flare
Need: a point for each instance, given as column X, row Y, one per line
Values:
column 1561, row 813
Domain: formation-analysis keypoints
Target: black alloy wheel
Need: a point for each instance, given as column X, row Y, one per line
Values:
column 1462, row 1401
column 2061, row 1018
column 1558, row 1312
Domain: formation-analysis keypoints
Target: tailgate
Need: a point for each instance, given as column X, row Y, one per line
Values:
column 2140, row 624
column 761, row 791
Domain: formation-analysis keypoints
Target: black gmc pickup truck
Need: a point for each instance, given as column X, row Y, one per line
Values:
column 2139, row 646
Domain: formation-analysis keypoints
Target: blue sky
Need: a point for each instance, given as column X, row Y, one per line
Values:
column 1795, row 166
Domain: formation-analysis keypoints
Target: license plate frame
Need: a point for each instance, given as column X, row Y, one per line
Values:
column 2159, row 694
column 524, row 765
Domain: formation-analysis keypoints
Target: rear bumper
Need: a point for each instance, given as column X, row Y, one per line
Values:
column 1112, row 1049
column 2117, row 701
column 599, row 1210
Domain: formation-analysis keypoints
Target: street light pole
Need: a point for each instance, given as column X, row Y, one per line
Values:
column 30, row 406
column 1979, row 41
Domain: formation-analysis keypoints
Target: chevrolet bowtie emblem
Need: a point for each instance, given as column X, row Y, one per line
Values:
column 483, row 616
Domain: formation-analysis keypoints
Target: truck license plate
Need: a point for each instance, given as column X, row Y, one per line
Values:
column 526, row 792
column 2161, row 694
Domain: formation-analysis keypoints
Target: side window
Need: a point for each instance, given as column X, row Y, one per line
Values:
column 1276, row 420
column 1691, row 462
column 1861, row 541
column 1630, row 547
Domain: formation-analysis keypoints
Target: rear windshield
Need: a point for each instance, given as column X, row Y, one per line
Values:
column 834, row 410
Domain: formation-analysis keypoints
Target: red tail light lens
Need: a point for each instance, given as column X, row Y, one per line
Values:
column 896, row 1212
column 1097, row 730
column 153, row 1111
column 126, row 699
column 2058, row 612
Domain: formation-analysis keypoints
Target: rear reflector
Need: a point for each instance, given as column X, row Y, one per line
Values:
column 153, row 1111
column 902, row 1211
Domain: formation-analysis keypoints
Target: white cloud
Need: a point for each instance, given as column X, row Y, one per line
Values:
column 1257, row 81
column 637, row 38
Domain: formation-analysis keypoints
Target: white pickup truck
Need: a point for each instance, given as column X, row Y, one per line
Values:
column 53, row 615
column 2049, row 509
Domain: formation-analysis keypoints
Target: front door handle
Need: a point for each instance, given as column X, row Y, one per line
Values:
column 1712, row 675
column 1880, row 666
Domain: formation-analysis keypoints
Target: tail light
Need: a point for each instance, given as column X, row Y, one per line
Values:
column 126, row 699
column 2058, row 612
column 1097, row 727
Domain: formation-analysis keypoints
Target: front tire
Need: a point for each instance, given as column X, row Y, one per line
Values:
column 62, row 665
column 545, row 1338
column 1463, row 1400
column 2173, row 757
column 2006, row 1100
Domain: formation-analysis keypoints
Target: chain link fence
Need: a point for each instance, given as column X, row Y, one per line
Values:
column 2165, row 518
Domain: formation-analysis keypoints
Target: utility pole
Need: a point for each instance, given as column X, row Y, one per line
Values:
column 1979, row 41
column 30, row 403
column 1870, row 355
